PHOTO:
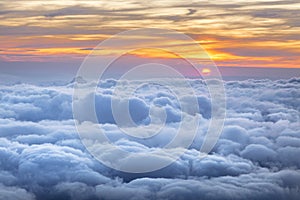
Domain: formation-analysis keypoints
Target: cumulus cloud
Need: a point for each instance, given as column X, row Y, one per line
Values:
column 256, row 157
column 15, row 193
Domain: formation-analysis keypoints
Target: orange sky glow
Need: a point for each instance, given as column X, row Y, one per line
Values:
column 250, row 33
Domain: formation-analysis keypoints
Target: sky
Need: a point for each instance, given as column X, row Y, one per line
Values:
column 132, row 134
column 42, row 37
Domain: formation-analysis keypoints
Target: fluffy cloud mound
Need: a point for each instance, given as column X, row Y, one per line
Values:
column 256, row 157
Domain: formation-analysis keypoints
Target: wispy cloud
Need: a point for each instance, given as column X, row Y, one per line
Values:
column 238, row 24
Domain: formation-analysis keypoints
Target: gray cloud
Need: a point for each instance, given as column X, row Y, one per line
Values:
column 42, row 157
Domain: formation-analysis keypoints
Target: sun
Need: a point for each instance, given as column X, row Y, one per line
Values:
column 205, row 71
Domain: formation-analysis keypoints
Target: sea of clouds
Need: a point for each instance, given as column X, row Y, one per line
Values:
column 256, row 157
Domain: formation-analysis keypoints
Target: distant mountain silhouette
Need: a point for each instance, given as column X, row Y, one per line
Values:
column 78, row 79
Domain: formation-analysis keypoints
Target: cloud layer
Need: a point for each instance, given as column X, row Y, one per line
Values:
column 42, row 157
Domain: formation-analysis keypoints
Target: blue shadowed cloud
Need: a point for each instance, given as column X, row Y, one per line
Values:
column 42, row 157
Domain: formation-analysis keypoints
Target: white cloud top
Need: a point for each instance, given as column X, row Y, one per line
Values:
column 257, row 156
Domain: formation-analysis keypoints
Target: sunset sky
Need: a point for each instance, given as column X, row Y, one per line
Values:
column 149, row 99
column 239, row 33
